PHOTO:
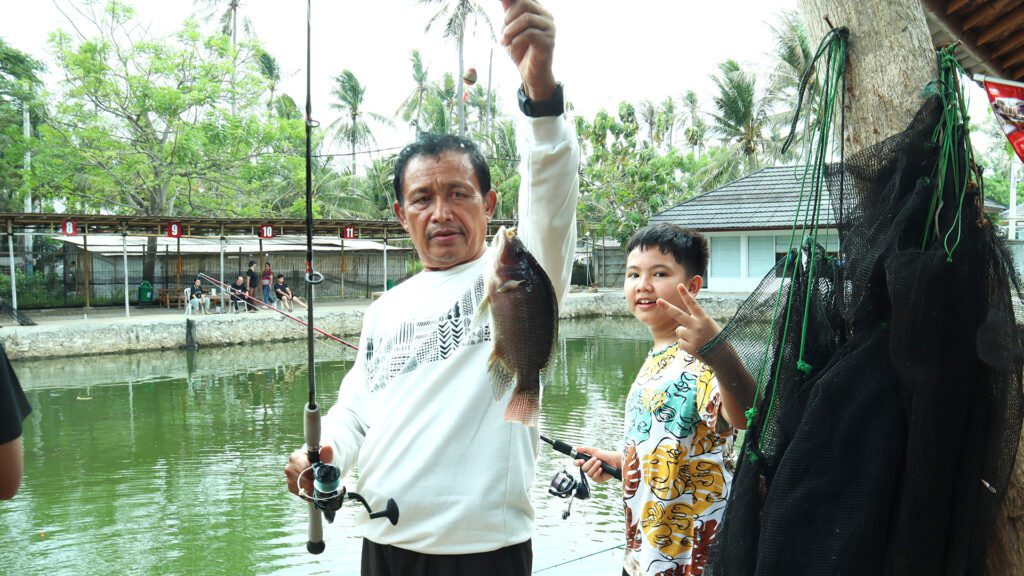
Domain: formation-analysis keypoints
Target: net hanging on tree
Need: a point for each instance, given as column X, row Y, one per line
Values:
column 889, row 401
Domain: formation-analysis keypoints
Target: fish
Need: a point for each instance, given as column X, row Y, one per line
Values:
column 523, row 310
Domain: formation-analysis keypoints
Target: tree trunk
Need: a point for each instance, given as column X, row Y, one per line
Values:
column 458, row 92
column 891, row 60
column 149, row 261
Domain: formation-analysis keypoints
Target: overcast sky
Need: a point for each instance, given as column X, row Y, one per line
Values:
column 607, row 50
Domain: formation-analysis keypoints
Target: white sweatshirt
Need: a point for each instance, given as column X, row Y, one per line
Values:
column 417, row 413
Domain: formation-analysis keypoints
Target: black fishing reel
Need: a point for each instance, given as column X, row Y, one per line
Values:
column 329, row 494
column 564, row 485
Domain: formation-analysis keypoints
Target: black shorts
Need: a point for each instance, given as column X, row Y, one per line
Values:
column 384, row 560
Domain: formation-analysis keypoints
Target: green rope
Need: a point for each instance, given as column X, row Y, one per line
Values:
column 808, row 213
column 956, row 156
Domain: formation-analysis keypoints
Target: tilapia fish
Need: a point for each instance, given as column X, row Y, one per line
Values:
column 524, row 321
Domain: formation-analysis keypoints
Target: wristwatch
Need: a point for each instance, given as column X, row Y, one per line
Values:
column 554, row 106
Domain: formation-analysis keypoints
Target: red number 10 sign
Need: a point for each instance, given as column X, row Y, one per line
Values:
column 266, row 231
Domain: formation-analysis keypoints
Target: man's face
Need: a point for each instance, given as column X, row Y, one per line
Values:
column 443, row 210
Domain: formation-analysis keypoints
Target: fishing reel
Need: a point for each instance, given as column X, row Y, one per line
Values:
column 328, row 494
column 563, row 485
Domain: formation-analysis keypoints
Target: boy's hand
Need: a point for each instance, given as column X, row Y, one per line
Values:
column 592, row 467
column 695, row 327
column 529, row 38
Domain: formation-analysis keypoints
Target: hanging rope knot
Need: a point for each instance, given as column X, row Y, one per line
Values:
column 803, row 367
column 751, row 413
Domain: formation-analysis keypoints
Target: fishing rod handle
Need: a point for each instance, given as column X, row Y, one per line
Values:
column 573, row 453
column 311, row 430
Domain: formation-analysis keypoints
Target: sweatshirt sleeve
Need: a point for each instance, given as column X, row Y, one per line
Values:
column 548, row 192
column 344, row 425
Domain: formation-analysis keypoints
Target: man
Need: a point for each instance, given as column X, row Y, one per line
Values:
column 417, row 412
column 197, row 297
column 284, row 294
column 14, row 408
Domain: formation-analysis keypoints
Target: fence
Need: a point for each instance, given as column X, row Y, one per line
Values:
column 66, row 274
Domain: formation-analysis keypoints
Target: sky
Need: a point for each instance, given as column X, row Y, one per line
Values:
column 606, row 50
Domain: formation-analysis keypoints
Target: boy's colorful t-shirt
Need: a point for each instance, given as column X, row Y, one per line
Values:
column 677, row 467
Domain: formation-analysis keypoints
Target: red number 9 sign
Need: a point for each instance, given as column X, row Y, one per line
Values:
column 174, row 230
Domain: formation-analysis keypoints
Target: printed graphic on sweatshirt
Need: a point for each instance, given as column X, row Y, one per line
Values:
column 423, row 341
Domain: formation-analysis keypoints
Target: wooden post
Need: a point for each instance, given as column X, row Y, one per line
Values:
column 87, row 261
column 124, row 254
column 10, row 254
column 343, row 267
column 223, row 293
column 177, row 277
column 385, row 289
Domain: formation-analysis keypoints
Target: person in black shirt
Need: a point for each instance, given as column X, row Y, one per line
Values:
column 14, row 408
column 238, row 293
column 252, row 281
column 284, row 293
column 197, row 297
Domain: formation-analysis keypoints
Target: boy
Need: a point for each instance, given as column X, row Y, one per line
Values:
column 680, row 425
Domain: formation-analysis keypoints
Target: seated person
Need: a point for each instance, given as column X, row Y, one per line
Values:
column 284, row 293
column 238, row 293
column 197, row 296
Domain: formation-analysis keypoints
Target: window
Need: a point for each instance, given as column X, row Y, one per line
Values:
column 760, row 255
column 725, row 257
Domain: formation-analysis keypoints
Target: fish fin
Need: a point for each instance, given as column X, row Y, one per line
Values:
column 482, row 314
column 524, row 406
column 501, row 378
column 509, row 285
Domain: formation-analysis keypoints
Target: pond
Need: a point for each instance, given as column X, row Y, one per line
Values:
column 171, row 462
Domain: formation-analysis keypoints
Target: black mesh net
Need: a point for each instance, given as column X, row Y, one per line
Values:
column 889, row 449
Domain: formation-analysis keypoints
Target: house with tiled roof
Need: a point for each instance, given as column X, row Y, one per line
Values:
column 748, row 224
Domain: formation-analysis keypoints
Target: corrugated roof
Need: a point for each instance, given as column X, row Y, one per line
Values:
column 764, row 199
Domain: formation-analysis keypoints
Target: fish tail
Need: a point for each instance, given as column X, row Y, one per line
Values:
column 524, row 406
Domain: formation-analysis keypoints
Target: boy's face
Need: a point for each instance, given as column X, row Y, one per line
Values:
column 651, row 274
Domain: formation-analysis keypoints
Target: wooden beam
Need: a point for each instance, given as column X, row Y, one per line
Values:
column 985, row 14
column 1013, row 59
column 1002, row 26
column 954, row 28
column 1010, row 45
column 955, row 6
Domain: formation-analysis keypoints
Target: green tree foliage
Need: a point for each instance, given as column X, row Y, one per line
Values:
column 19, row 86
column 625, row 177
column 141, row 125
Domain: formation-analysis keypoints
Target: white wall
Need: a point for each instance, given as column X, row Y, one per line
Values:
column 725, row 274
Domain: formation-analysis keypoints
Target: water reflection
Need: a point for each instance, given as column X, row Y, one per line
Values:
column 170, row 462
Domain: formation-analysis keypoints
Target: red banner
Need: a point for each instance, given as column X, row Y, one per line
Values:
column 1007, row 99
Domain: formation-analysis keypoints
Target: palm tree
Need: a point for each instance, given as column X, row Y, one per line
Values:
column 792, row 54
column 229, row 27
column 697, row 129
column 742, row 119
column 649, row 119
column 270, row 70
column 412, row 107
column 351, row 126
column 668, row 118
column 456, row 14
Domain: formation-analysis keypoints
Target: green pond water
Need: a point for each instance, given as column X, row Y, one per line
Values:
column 171, row 462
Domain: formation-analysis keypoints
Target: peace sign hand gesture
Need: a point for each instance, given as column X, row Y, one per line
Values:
column 695, row 328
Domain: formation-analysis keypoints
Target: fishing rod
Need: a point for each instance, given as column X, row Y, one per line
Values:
column 328, row 494
column 568, row 450
column 281, row 312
